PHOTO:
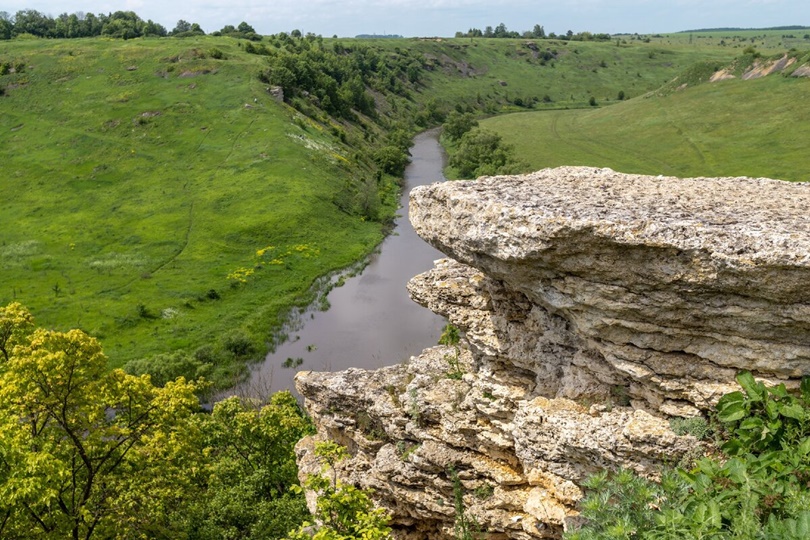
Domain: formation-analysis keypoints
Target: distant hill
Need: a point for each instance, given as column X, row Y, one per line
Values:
column 749, row 124
column 378, row 36
column 733, row 29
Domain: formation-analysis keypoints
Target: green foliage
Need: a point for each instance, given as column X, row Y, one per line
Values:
column 251, row 483
column 391, row 160
column 344, row 512
column 86, row 452
column 697, row 426
column 90, row 453
column 759, row 488
column 457, row 124
column 623, row 505
column 764, row 419
column 465, row 526
column 450, row 335
column 163, row 368
column 482, row 152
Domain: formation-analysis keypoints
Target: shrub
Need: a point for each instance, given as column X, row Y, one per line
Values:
column 450, row 335
column 238, row 344
column 758, row 488
column 458, row 124
column 391, row 159
column 482, row 152
column 168, row 367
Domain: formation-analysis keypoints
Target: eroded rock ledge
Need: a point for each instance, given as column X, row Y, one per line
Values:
column 595, row 305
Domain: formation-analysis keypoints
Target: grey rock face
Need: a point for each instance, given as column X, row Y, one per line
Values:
column 594, row 306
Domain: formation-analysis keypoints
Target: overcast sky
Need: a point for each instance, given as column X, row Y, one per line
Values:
column 444, row 17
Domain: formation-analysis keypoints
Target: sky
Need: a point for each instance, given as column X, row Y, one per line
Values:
column 411, row 18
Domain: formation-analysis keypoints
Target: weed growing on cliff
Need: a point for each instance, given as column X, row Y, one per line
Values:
column 405, row 449
column 456, row 371
column 758, row 488
column 696, row 426
column 450, row 335
column 413, row 410
column 466, row 527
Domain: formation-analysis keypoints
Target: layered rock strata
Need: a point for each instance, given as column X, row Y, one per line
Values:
column 594, row 305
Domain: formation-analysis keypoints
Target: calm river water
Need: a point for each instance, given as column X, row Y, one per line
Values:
column 371, row 322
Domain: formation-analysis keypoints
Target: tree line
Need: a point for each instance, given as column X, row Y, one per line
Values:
column 121, row 24
column 538, row 32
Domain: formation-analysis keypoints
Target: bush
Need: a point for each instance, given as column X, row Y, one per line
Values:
column 482, row 152
column 458, row 124
column 758, row 488
column 391, row 160
column 238, row 344
column 168, row 367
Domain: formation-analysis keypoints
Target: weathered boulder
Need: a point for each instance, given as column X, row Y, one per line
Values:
column 594, row 306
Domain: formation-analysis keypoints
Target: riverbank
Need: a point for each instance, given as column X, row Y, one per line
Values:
column 370, row 321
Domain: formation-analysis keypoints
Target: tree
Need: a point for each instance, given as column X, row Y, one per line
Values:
column 30, row 21
column 391, row 159
column 482, row 152
column 252, row 471
column 182, row 26
column 458, row 124
column 6, row 26
column 154, row 29
column 245, row 28
column 85, row 452
column 538, row 31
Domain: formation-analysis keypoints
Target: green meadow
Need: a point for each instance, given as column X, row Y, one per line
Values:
column 730, row 128
column 501, row 75
column 138, row 176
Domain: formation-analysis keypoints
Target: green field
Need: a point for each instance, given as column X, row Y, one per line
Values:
column 741, row 128
column 492, row 74
column 138, row 175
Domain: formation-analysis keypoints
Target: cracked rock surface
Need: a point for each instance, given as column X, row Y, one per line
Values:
column 594, row 306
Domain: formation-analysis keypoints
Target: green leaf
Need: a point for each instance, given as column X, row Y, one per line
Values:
column 779, row 391
column 752, row 424
column 772, row 409
column 731, row 411
column 733, row 447
column 715, row 518
column 754, row 390
column 794, row 410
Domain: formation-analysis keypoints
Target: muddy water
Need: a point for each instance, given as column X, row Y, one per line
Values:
column 371, row 321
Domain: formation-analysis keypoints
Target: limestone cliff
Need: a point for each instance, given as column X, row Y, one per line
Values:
column 595, row 305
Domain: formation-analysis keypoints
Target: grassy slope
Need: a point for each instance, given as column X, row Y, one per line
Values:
column 747, row 128
column 570, row 80
column 120, row 206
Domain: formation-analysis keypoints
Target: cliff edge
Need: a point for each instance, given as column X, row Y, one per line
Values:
column 594, row 306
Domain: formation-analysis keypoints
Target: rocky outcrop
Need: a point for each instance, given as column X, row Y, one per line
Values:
column 595, row 305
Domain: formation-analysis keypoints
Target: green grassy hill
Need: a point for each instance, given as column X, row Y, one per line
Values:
column 138, row 175
column 157, row 195
column 734, row 127
column 498, row 75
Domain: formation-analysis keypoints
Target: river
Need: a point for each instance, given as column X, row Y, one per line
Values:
column 371, row 321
